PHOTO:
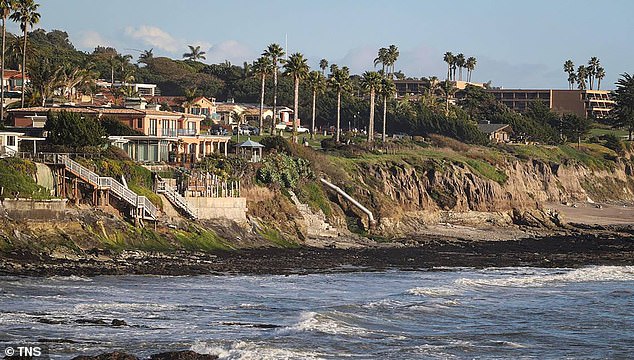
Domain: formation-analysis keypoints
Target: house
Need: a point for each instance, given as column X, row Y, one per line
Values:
column 166, row 136
column 9, row 143
column 497, row 132
column 201, row 106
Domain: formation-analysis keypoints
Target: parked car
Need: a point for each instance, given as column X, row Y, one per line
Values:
column 300, row 129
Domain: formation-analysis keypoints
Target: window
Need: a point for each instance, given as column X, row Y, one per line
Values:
column 191, row 126
column 139, row 123
column 10, row 140
column 152, row 129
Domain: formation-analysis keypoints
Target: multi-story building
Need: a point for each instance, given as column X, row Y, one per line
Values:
column 585, row 103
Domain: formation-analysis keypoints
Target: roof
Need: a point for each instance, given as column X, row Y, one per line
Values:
column 102, row 110
column 491, row 128
column 251, row 144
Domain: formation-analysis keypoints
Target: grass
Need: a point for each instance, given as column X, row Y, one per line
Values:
column 277, row 238
column 313, row 194
column 198, row 239
column 16, row 178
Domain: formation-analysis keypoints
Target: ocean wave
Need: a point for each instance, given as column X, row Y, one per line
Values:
column 245, row 350
column 96, row 307
column 433, row 291
column 586, row 274
column 70, row 278
column 312, row 321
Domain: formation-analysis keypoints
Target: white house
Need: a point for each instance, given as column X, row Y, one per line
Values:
column 9, row 143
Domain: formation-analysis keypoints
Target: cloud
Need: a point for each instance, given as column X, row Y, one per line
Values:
column 155, row 37
column 231, row 50
column 359, row 59
column 90, row 39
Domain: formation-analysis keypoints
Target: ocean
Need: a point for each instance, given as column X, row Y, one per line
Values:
column 445, row 313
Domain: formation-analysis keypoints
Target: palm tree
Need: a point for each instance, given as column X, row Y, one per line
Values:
column 382, row 58
column 146, row 57
column 370, row 82
column 392, row 56
column 623, row 113
column 275, row 53
column 448, row 90
column 470, row 65
column 194, row 53
column 339, row 81
column 316, row 82
column 6, row 7
column 582, row 74
column 26, row 14
column 323, row 65
column 297, row 67
column 600, row 74
column 569, row 68
column 460, row 63
column 449, row 59
column 593, row 65
column 262, row 67
column 386, row 90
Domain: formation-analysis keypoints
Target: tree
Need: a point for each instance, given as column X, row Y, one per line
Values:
column 460, row 63
column 45, row 78
column 386, row 90
column 275, row 53
column 449, row 59
column 74, row 130
column 392, row 56
column 448, row 90
column 382, row 58
column 591, row 69
column 575, row 127
column 317, row 84
column 262, row 67
column 146, row 56
column 297, row 68
column 582, row 74
column 26, row 14
column 569, row 68
column 623, row 113
column 323, row 65
column 6, row 8
column 470, row 65
column 370, row 82
column 600, row 74
column 339, row 81
column 194, row 53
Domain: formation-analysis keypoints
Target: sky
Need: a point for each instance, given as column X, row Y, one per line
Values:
column 517, row 44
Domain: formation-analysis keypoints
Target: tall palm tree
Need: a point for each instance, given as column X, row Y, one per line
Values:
column 460, row 63
column 582, row 74
column 316, row 82
column 262, row 67
column 382, row 58
column 470, row 65
column 370, row 82
column 6, row 7
column 600, row 74
column 323, row 65
column 26, row 14
column 569, row 68
column 593, row 65
column 194, row 53
column 275, row 53
column 449, row 59
column 296, row 67
column 392, row 56
column 386, row 90
column 339, row 81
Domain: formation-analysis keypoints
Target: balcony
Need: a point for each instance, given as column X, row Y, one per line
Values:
column 186, row 132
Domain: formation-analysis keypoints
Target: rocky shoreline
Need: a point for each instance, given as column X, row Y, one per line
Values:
column 591, row 246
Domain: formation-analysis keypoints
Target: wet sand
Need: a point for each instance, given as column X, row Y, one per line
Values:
column 595, row 213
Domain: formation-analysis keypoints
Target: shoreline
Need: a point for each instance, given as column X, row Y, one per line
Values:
column 590, row 247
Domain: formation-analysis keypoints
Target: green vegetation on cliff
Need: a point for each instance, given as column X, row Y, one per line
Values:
column 17, row 179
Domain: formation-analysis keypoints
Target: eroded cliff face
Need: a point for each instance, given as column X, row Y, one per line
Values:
column 403, row 195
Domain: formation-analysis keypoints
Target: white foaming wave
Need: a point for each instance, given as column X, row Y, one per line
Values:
column 70, row 278
column 312, row 321
column 383, row 303
column 586, row 274
column 123, row 307
column 244, row 350
column 433, row 291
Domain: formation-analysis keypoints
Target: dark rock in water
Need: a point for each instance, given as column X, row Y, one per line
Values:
column 50, row 321
column 253, row 325
column 108, row 356
column 117, row 322
column 91, row 321
column 183, row 355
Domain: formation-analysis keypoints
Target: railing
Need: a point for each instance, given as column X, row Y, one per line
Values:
column 186, row 132
column 6, row 151
column 174, row 197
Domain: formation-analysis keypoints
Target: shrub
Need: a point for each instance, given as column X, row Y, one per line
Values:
column 277, row 143
column 614, row 143
column 284, row 170
column 74, row 130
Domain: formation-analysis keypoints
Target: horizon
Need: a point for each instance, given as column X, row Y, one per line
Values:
column 513, row 52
